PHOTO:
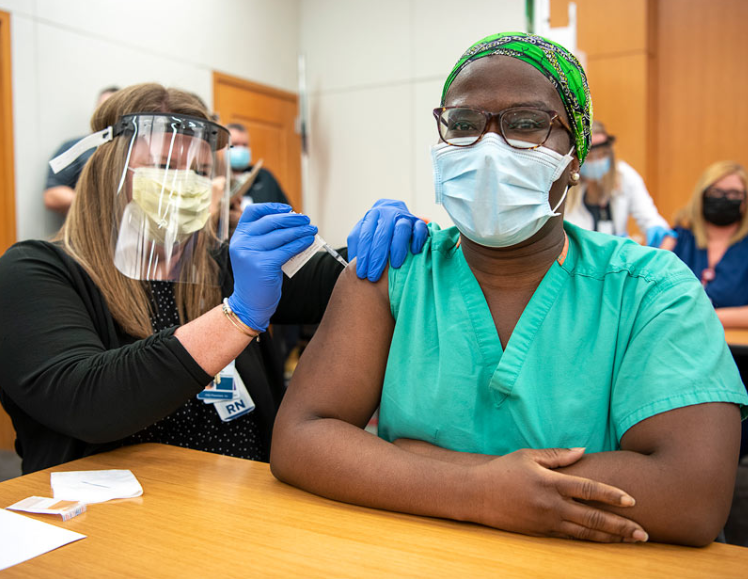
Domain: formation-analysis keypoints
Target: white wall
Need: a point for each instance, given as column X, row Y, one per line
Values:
column 65, row 51
column 375, row 71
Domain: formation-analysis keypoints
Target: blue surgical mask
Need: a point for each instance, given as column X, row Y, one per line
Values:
column 240, row 158
column 497, row 195
column 596, row 169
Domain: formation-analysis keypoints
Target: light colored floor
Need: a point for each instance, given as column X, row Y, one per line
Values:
column 10, row 465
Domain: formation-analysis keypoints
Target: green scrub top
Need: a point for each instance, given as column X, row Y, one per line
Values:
column 616, row 334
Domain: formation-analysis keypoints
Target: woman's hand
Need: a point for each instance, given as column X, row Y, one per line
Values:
column 522, row 493
column 661, row 237
column 387, row 230
column 267, row 236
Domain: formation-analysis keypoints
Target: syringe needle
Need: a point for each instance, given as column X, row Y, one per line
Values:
column 335, row 254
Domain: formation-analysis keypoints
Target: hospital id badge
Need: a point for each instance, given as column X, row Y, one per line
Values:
column 232, row 409
column 223, row 386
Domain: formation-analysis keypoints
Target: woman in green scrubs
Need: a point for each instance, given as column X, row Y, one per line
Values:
column 531, row 376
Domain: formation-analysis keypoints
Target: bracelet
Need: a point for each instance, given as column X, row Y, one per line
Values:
column 236, row 322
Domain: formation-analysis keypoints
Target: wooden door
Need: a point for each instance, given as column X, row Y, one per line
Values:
column 702, row 91
column 668, row 78
column 270, row 117
column 7, row 181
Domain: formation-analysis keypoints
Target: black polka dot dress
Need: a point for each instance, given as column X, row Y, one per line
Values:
column 196, row 424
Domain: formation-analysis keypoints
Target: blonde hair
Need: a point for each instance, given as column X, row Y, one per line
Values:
column 608, row 184
column 87, row 234
column 692, row 215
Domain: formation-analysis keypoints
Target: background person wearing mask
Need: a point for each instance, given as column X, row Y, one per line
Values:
column 610, row 192
column 515, row 340
column 111, row 331
column 265, row 188
column 60, row 188
column 713, row 239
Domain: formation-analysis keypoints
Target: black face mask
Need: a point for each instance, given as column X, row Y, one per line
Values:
column 722, row 211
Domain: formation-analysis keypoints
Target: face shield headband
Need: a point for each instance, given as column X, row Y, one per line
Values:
column 171, row 198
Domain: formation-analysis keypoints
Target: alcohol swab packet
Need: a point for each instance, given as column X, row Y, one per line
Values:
column 46, row 506
column 95, row 486
column 297, row 261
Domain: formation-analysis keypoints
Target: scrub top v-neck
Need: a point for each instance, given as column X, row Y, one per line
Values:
column 508, row 362
column 592, row 354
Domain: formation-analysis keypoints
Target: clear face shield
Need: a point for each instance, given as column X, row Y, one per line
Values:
column 172, row 199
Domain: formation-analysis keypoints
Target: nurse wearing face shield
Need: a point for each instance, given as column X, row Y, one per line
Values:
column 138, row 323
column 611, row 191
column 530, row 375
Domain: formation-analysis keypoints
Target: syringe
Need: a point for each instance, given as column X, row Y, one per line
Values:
column 328, row 248
column 296, row 262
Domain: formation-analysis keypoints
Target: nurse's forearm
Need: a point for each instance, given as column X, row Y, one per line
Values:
column 212, row 340
column 733, row 317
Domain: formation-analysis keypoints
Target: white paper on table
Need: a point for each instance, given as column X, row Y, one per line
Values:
column 23, row 538
column 95, row 486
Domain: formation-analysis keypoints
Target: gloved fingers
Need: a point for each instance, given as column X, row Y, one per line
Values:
column 420, row 234
column 276, row 239
column 255, row 211
column 273, row 222
column 353, row 240
column 400, row 241
column 654, row 235
column 294, row 247
column 380, row 247
column 365, row 239
column 400, row 205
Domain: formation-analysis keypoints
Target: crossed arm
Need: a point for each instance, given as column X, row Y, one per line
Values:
column 678, row 467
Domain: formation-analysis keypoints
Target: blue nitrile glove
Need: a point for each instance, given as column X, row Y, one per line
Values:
column 267, row 236
column 387, row 230
column 657, row 233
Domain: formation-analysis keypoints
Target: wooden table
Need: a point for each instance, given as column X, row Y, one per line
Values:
column 206, row 515
column 737, row 338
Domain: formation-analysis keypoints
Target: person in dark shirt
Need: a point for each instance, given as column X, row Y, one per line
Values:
column 59, row 191
column 265, row 188
column 111, row 331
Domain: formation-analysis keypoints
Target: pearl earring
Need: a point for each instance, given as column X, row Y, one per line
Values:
column 574, row 176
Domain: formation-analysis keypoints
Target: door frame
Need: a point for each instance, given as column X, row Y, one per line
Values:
column 293, row 182
column 7, row 167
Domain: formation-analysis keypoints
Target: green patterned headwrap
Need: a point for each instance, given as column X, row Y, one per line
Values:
column 557, row 64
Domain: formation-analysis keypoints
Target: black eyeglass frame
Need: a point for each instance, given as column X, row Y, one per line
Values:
column 489, row 116
column 725, row 193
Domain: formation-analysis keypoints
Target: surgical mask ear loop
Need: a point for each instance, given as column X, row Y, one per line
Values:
column 567, row 187
column 562, row 167
column 559, row 202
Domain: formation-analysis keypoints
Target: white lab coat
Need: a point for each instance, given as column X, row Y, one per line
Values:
column 631, row 199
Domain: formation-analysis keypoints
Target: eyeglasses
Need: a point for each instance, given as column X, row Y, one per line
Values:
column 732, row 194
column 520, row 128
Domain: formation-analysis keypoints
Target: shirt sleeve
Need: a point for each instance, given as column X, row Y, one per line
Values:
column 676, row 356
column 57, row 366
column 68, row 177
